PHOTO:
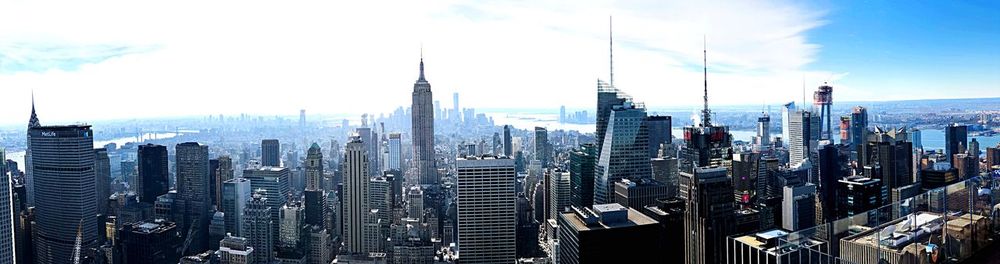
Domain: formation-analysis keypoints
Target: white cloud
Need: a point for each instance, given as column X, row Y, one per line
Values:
column 361, row 56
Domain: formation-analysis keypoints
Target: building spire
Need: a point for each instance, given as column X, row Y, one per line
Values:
column 33, row 120
column 421, row 62
column 706, row 115
column 611, row 53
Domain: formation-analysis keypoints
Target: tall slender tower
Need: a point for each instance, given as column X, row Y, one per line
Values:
column 6, row 214
column 355, row 201
column 823, row 98
column 423, row 129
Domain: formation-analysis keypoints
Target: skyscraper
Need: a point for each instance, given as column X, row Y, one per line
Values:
column 626, row 151
column 315, row 196
column 456, row 111
column 270, row 153
column 153, row 178
column 508, row 148
column 804, row 129
column 62, row 164
column 192, row 202
column 290, row 225
column 859, row 128
column 275, row 180
column 543, row 152
column 786, row 113
column 955, row 139
column 798, row 206
column 659, row 128
column 149, row 242
column 235, row 194
column 355, row 201
column 607, row 97
column 423, row 129
column 762, row 142
column 610, row 233
column 558, row 192
column 223, row 172
column 102, row 176
column 395, row 161
column 582, row 163
column 709, row 216
column 486, row 214
column 705, row 144
column 258, row 227
column 888, row 151
column 6, row 213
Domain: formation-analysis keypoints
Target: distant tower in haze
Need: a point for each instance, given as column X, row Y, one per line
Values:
column 270, row 153
column 457, row 112
column 302, row 118
column 423, row 129
column 823, row 98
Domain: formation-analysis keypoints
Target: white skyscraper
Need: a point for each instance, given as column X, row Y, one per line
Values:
column 486, row 214
column 786, row 112
column 355, row 203
column 558, row 192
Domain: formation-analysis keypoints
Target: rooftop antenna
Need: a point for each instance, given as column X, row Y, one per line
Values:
column 706, row 119
column 611, row 53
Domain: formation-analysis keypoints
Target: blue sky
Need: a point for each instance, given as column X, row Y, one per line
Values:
column 123, row 59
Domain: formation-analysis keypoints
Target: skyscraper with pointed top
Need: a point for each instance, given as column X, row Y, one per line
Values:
column 423, row 129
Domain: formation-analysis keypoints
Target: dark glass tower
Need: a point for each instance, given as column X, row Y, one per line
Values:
column 62, row 164
column 581, row 166
column 659, row 133
column 423, row 129
column 508, row 149
column 153, row 173
column 955, row 139
column 192, row 204
column 270, row 153
column 607, row 97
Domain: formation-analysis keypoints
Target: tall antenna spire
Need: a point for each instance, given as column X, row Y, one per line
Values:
column 421, row 61
column 706, row 119
column 611, row 52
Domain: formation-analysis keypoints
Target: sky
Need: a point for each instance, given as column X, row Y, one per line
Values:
column 106, row 60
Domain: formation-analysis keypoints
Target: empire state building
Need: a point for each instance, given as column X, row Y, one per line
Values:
column 423, row 130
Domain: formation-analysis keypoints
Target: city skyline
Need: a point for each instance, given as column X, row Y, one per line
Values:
column 299, row 59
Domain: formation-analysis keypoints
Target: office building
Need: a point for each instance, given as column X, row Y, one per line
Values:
column 258, row 227
column 955, row 139
column 659, row 132
column 888, row 150
column 665, row 171
column 709, row 217
column 153, row 242
column 859, row 194
column 705, row 145
column 639, row 193
column 422, row 114
column 317, row 245
column 974, row 150
column 558, row 188
column 486, row 213
column 395, row 160
column 355, row 196
column 607, row 97
column 786, row 114
column 275, row 180
column 290, row 225
column 859, row 125
column 222, row 171
column 7, row 209
column 823, row 99
column 608, row 233
column 235, row 194
column 411, row 243
column 102, row 176
column 270, row 153
column 669, row 214
column 625, row 154
column 582, row 168
column 798, row 206
column 62, row 165
column 191, row 209
column 153, row 177
column 235, row 250
column 762, row 141
column 804, row 134
column 543, row 150
column 315, row 195
column 508, row 148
